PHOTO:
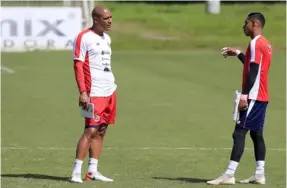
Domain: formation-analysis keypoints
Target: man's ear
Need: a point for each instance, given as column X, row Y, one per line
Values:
column 95, row 20
column 256, row 23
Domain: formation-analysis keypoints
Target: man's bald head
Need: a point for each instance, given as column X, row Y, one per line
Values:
column 99, row 11
column 102, row 19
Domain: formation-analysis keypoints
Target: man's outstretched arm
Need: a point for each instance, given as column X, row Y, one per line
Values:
column 241, row 57
column 227, row 51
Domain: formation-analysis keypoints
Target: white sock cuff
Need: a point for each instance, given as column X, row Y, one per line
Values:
column 260, row 163
column 93, row 161
column 234, row 163
column 78, row 161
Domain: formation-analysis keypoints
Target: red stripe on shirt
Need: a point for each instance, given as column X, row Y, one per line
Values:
column 78, row 43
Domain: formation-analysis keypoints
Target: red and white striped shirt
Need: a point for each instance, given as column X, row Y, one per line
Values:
column 92, row 53
column 259, row 51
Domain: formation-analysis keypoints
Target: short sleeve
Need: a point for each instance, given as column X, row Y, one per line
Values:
column 80, row 48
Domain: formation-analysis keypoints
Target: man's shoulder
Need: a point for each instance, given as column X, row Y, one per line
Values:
column 83, row 34
column 264, row 43
column 107, row 35
column 108, row 38
column 263, row 40
column 259, row 41
column 84, row 31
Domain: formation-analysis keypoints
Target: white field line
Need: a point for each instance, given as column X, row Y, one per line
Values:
column 135, row 148
column 166, row 52
column 6, row 69
column 136, row 52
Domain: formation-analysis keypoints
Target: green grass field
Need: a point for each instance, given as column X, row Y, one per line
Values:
column 175, row 95
column 169, row 100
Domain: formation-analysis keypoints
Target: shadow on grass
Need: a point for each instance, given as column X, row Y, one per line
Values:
column 36, row 176
column 190, row 180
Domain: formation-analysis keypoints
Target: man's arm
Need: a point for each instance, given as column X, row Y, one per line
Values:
column 251, row 77
column 241, row 57
column 79, row 74
column 227, row 51
column 79, row 56
column 255, row 60
column 80, row 50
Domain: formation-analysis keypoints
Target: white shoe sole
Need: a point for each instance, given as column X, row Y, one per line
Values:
column 104, row 180
column 76, row 181
column 223, row 183
column 228, row 182
column 253, row 182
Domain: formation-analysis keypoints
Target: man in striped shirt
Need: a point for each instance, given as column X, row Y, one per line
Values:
column 253, row 100
column 96, row 83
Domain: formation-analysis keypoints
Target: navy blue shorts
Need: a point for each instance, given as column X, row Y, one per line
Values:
column 253, row 118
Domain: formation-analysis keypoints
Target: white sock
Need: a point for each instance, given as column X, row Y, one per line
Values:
column 77, row 167
column 93, row 165
column 260, row 167
column 231, row 168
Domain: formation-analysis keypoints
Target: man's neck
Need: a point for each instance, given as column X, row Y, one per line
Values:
column 96, row 30
column 255, row 34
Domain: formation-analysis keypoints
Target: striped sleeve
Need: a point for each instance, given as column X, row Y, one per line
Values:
column 80, row 48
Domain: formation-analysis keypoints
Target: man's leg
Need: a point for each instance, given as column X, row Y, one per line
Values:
column 82, row 149
column 96, row 148
column 259, row 150
column 94, row 153
column 106, row 110
column 256, row 134
column 238, row 135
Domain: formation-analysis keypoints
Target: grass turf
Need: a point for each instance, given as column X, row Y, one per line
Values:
column 174, row 102
column 165, row 99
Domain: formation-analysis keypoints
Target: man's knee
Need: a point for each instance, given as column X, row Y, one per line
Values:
column 239, row 133
column 90, row 133
column 256, row 135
